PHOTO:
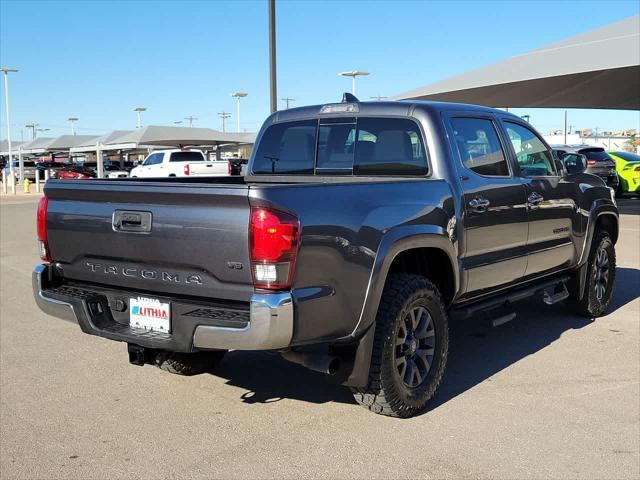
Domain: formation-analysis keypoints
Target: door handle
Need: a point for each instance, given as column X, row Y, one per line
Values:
column 535, row 198
column 479, row 204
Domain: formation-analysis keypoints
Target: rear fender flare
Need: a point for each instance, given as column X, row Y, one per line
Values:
column 394, row 242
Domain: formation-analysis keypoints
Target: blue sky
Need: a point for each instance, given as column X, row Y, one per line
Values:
column 97, row 60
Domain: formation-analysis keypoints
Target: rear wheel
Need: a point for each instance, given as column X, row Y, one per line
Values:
column 189, row 363
column 410, row 348
column 601, row 275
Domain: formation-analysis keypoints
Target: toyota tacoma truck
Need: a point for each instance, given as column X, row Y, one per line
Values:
column 359, row 229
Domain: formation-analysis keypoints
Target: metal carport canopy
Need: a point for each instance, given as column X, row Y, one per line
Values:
column 180, row 136
column 91, row 145
column 596, row 69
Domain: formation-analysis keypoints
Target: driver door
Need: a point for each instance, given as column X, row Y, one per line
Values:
column 554, row 219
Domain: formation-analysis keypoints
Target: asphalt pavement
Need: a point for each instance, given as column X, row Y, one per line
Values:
column 548, row 395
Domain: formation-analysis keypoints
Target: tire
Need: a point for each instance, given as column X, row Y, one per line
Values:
column 393, row 388
column 188, row 364
column 600, row 281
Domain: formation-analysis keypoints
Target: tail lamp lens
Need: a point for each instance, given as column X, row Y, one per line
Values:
column 187, row 169
column 229, row 168
column 637, row 169
column 273, row 246
column 41, row 229
column 591, row 162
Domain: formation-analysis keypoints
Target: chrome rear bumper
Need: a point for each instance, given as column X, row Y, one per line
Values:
column 268, row 324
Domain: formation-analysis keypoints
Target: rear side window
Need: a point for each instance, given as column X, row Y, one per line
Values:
column 479, row 146
column 389, row 146
column 287, row 148
column 186, row 157
column 596, row 154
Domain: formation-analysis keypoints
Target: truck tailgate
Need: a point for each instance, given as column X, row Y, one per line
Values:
column 196, row 243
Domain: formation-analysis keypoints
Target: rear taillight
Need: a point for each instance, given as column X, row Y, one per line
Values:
column 273, row 246
column 41, row 229
column 637, row 169
column 187, row 169
column 229, row 168
column 591, row 162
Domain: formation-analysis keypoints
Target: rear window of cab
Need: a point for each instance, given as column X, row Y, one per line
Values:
column 342, row 146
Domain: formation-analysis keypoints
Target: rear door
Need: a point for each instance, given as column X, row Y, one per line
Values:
column 554, row 220
column 495, row 217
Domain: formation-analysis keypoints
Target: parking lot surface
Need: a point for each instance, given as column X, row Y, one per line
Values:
column 548, row 395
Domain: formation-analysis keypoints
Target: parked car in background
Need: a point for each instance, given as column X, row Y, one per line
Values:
column 180, row 163
column 52, row 167
column 598, row 161
column 628, row 168
column 75, row 170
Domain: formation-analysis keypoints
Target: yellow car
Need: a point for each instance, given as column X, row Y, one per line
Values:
column 628, row 170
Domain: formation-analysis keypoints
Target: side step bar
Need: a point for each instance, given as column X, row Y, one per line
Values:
column 557, row 286
column 559, row 293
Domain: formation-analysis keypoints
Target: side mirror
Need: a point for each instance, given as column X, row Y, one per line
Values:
column 574, row 163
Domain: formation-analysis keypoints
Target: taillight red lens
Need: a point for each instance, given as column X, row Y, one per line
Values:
column 229, row 169
column 637, row 169
column 273, row 246
column 187, row 169
column 41, row 229
column 591, row 162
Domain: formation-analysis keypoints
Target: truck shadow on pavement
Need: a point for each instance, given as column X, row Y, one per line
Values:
column 477, row 352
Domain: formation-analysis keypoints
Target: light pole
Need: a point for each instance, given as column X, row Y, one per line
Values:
column 224, row 116
column 191, row 119
column 139, row 111
column 238, row 96
column 33, row 126
column 286, row 100
column 272, row 58
column 353, row 74
column 72, row 121
column 6, row 72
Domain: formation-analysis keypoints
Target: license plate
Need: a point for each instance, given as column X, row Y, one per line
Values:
column 150, row 314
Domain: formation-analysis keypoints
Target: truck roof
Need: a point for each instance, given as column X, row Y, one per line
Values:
column 377, row 108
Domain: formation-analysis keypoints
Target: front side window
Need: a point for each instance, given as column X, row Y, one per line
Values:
column 389, row 146
column 287, row 148
column 532, row 155
column 479, row 146
column 153, row 159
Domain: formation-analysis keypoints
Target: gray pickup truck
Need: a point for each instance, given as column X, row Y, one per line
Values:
column 360, row 228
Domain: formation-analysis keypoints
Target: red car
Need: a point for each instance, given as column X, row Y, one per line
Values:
column 75, row 171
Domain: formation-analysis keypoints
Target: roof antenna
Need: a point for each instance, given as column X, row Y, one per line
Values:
column 349, row 98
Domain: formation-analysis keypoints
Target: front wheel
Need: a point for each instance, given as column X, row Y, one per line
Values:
column 410, row 348
column 601, row 275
